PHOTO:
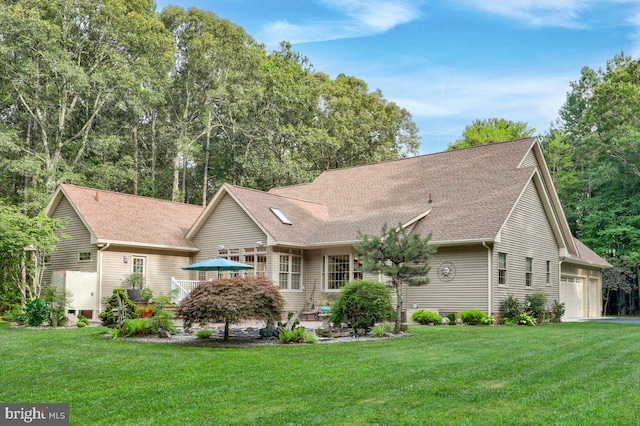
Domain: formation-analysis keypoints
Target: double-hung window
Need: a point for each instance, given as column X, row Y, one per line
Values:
column 548, row 280
column 502, row 269
column 290, row 272
column 528, row 271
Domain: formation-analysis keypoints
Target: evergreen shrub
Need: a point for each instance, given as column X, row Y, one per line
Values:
column 424, row 317
column 109, row 316
column 362, row 304
column 474, row 317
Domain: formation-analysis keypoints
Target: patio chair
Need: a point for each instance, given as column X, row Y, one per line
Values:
column 312, row 313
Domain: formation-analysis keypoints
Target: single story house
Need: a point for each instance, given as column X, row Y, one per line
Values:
column 492, row 210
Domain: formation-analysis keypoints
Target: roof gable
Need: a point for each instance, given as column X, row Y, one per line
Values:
column 305, row 216
column 125, row 219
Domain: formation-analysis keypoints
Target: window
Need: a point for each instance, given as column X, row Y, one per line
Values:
column 342, row 268
column 283, row 277
column 338, row 271
column 139, row 265
column 528, row 271
column 290, row 272
column 258, row 261
column 84, row 256
column 502, row 269
column 548, row 272
column 358, row 267
column 296, row 272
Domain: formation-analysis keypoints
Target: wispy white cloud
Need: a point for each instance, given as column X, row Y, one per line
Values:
column 634, row 20
column 378, row 15
column 360, row 19
column 544, row 13
column 443, row 101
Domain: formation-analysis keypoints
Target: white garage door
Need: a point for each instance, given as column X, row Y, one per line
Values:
column 572, row 296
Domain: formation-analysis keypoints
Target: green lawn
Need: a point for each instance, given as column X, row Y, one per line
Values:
column 575, row 373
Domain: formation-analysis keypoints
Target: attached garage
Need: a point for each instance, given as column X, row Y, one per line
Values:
column 572, row 295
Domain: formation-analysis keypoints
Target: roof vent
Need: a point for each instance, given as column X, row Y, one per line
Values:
column 97, row 196
column 280, row 216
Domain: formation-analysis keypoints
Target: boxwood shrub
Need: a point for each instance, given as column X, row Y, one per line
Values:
column 474, row 317
column 424, row 317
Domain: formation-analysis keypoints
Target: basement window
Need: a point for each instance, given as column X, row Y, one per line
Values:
column 280, row 216
column 84, row 256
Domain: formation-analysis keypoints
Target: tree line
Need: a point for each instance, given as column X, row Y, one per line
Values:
column 115, row 95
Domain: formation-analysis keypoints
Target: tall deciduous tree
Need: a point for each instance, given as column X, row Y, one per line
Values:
column 24, row 241
column 482, row 132
column 65, row 63
column 354, row 126
column 213, row 91
column 401, row 256
column 596, row 148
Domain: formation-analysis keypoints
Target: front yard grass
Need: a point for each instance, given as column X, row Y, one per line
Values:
column 574, row 373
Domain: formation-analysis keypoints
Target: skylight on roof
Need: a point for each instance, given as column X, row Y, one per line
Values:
column 280, row 216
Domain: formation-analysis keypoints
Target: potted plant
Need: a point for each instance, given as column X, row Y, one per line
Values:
column 147, row 311
column 136, row 281
column 146, row 294
column 161, row 300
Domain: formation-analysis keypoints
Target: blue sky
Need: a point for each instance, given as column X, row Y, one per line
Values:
column 448, row 62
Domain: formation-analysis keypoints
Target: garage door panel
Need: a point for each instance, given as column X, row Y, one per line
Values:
column 571, row 294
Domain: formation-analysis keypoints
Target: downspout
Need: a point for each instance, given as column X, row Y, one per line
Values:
column 489, row 277
column 562, row 259
column 101, row 248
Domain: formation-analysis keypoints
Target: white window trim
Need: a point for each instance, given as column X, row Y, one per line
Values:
column 528, row 272
column 325, row 271
column 290, row 273
column 85, row 260
column 506, row 271
column 548, row 274
column 144, row 264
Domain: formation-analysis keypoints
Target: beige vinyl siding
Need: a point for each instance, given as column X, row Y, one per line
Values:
column 160, row 267
column 312, row 274
column 527, row 233
column 529, row 160
column 467, row 290
column 230, row 226
column 66, row 255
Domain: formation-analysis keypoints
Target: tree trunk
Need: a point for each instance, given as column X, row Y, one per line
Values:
column 184, row 178
column 154, row 117
column 398, row 325
column 205, row 172
column 175, row 190
column 226, row 330
column 136, row 160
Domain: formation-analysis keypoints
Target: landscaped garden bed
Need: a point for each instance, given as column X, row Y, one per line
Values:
column 572, row 373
